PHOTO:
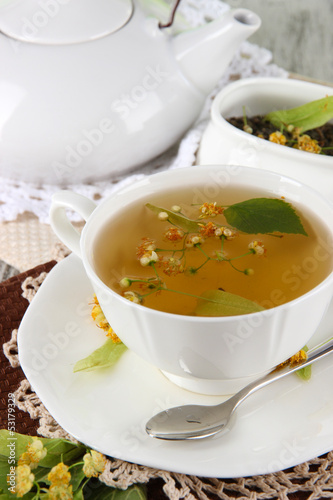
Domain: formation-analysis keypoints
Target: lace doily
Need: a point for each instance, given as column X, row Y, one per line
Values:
column 250, row 61
column 312, row 480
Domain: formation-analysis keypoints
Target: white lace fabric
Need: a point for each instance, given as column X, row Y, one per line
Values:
column 250, row 61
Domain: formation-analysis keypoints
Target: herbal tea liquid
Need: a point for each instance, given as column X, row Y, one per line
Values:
column 268, row 269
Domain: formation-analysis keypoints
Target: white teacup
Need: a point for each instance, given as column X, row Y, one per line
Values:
column 212, row 355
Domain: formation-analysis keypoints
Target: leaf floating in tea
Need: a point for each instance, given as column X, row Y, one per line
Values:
column 186, row 224
column 103, row 357
column 306, row 117
column 219, row 303
column 264, row 215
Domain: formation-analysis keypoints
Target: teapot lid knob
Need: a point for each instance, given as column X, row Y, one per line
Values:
column 60, row 22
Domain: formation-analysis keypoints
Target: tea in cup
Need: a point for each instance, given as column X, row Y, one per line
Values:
column 212, row 274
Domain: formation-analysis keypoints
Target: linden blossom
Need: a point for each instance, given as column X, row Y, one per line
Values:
column 51, row 477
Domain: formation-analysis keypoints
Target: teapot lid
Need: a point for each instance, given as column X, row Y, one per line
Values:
column 59, row 22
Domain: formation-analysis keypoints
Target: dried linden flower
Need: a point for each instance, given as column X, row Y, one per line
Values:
column 60, row 492
column 98, row 316
column 24, row 480
column 208, row 229
column 210, row 210
column 59, row 475
column 295, row 360
column 229, row 234
column 125, row 283
column 257, row 247
column 146, row 246
column 298, row 358
column 248, row 129
column 148, row 258
column 278, row 138
column 172, row 266
column 296, row 132
column 195, row 239
column 305, row 143
column 94, row 463
column 174, row 234
column 101, row 321
column 25, row 460
column 176, row 208
column 35, row 452
column 163, row 216
column 133, row 297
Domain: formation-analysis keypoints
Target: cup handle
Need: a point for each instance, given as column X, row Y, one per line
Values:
column 60, row 222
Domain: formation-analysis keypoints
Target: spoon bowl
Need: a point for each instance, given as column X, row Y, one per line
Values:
column 191, row 421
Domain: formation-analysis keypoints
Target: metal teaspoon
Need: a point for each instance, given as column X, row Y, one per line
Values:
column 199, row 421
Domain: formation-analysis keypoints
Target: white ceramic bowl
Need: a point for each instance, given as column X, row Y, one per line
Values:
column 205, row 354
column 222, row 143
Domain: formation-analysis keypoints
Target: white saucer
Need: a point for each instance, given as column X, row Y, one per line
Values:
column 282, row 425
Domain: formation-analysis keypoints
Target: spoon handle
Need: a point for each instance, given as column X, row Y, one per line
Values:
column 314, row 354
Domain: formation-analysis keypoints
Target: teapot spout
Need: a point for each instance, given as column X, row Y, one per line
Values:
column 204, row 53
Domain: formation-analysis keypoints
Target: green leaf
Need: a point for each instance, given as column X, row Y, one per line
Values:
column 4, row 470
column 264, row 215
column 77, row 476
column 219, row 303
column 305, row 373
column 186, row 224
column 103, row 357
column 68, row 458
column 27, row 496
column 78, row 494
column 13, row 441
column 308, row 116
column 56, row 448
column 100, row 491
column 135, row 492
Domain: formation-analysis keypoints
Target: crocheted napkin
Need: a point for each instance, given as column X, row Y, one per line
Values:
column 312, row 480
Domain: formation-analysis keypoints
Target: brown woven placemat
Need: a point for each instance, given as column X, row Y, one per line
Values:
column 12, row 309
column 312, row 480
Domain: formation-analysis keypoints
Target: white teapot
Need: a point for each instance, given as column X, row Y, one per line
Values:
column 91, row 88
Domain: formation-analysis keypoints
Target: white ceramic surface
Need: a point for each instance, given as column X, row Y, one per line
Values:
column 64, row 21
column 282, row 425
column 103, row 97
column 236, row 350
column 222, row 143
